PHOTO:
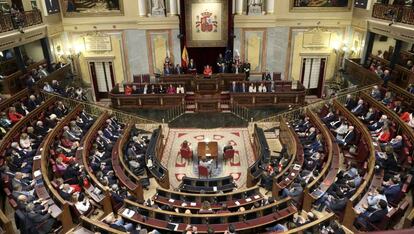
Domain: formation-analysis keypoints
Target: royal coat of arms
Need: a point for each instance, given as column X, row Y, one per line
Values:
column 206, row 22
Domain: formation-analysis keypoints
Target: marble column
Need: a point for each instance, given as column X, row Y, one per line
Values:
column 173, row 7
column 239, row 7
column 142, row 8
column 19, row 59
column 46, row 52
column 233, row 7
column 270, row 6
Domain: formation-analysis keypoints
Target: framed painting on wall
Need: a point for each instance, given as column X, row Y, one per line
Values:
column 320, row 5
column 74, row 8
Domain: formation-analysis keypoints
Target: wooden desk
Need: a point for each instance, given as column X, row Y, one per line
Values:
column 209, row 150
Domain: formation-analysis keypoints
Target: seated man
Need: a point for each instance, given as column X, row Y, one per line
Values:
column 376, row 93
column 359, row 108
column 373, row 217
column 349, row 136
column 118, row 223
column 207, row 71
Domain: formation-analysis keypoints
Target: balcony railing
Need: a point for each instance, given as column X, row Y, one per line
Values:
column 12, row 21
column 402, row 14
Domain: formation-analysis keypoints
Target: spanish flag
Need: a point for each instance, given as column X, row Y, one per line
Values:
column 184, row 58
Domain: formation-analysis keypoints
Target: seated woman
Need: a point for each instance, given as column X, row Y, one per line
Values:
column 384, row 136
column 180, row 89
column 171, row 89
column 14, row 116
column 207, row 71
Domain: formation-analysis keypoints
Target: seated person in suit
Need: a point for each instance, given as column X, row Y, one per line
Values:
column 376, row 93
column 373, row 217
column 192, row 67
column 207, row 71
column 266, row 75
column 391, row 189
column 396, row 143
column 359, row 108
column 328, row 118
column 302, row 125
column 349, row 102
column 378, row 124
column 81, row 202
column 135, row 90
column 349, row 136
column 118, row 223
column 369, row 117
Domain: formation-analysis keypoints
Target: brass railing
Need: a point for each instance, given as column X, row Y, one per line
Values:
column 12, row 21
column 403, row 14
column 240, row 111
column 96, row 110
column 174, row 112
column 316, row 106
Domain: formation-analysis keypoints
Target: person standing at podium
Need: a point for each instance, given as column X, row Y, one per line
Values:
column 246, row 69
column 221, row 64
column 207, row 71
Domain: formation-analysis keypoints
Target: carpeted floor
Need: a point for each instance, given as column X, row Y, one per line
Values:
column 178, row 167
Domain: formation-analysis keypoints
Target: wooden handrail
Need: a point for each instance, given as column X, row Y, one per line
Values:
column 408, row 98
column 121, row 152
column 221, row 215
column 328, row 140
column 314, row 224
column 99, row 225
column 350, row 214
column 134, row 187
column 65, row 217
column 6, row 224
column 87, row 143
column 18, row 126
column 178, row 193
column 150, row 217
column 89, row 137
column 391, row 114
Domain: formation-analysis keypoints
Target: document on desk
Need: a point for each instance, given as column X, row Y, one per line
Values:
column 215, row 188
column 37, row 157
column 172, row 226
column 171, row 200
column 208, row 155
column 256, row 196
column 237, row 203
column 37, row 173
column 248, row 199
column 183, row 204
column 128, row 213
column 193, row 204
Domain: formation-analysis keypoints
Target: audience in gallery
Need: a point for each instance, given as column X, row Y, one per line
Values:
column 72, row 92
column 153, row 89
column 17, row 111
column 32, row 214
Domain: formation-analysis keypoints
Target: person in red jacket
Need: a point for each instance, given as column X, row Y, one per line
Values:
column 128, row 90
column 207, row 71
column 14, row 116
column 384, row 135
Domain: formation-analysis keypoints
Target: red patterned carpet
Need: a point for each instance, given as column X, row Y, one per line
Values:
column 179, row 167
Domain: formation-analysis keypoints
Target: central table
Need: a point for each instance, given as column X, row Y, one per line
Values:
column 208, row 150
